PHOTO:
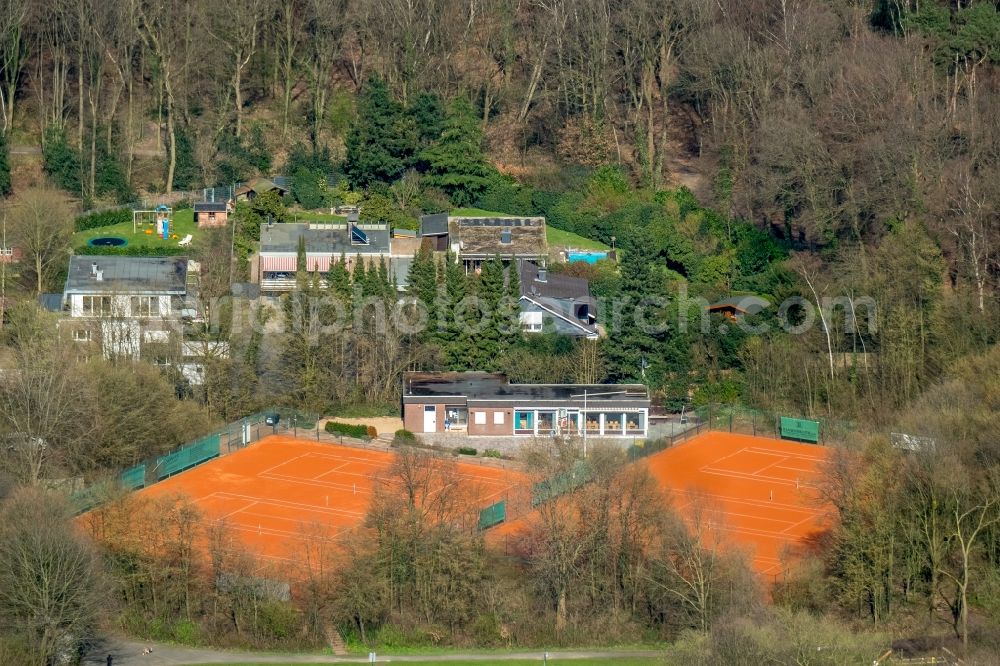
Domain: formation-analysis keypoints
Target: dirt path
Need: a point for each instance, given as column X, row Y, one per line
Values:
column 129, row 653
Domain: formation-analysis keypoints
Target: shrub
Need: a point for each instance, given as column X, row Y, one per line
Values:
column 60, row 161
column 347, row 429
column 132, row 251
column 105, row 218
column 403, row 437
column 372, row 432
column 466, row 451
column 492, row 453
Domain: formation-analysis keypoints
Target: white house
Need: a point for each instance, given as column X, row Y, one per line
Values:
column 125, row 304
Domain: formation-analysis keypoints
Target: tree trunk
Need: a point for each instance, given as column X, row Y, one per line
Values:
column 171, row 132
column 561, row 610
column 237, row 85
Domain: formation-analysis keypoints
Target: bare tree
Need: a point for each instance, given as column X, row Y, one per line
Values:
column 49, row 576
column 40, row 223
column 237, row 31
column 41, row 401
column 13, row 51
column 163, row 28
column 974, row 512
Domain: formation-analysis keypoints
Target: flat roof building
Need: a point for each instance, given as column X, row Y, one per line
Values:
column 474, row 239
column 486, row 404
column 277, row 263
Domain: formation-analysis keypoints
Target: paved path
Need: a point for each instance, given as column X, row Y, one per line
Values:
column 129, row 653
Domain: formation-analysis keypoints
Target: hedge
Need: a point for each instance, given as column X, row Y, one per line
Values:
column 132, row 251
column 404, row 436
column 105, row 218
column 348, row 430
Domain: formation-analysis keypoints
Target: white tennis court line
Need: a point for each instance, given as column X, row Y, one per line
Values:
column 746, row 476
column 696, row 493
column 291, row 504
column 789, row 454
column 356, row 489
column 282, row 463
column 732, row 514
column 774, row 464
column 331, row 471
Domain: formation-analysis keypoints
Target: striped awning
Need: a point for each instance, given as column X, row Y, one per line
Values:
column 277, row 264
column 318, row 262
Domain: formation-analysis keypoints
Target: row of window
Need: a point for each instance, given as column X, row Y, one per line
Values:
column 548, row 421
column 140, row 306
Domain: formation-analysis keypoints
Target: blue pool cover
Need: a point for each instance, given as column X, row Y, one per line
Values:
column 589, row 257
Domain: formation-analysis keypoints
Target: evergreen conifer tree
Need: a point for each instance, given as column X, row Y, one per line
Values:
column 383, row 140
column 456, row 163
column 340, row 280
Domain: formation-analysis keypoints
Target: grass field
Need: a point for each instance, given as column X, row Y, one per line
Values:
column 181, row 225
column 478, row 212
column 560, row 238
column 593, row 661
column 555, row 237
column 314, row 216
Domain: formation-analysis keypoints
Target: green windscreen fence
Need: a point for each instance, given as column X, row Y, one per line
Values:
column 86, row 499
column 493, row 515
column 801, row 430
column 560, row 483
column 189, row 456
column 133, row 478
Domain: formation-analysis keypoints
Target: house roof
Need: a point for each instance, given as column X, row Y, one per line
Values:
column 164, row 276
column 210, row 207
column 260, row 186
column 746, row 304
column 482, row 387
column 555, row 285
column 480, row 237
column 322, row 238
column 566, row 310
column 434, row 225
column 559, row 295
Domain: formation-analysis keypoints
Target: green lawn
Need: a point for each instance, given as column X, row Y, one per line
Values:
column 555, row 237
column 598, row 661
column 313, row 216
column 478, row 212
column 181, row 225
column 560, row 238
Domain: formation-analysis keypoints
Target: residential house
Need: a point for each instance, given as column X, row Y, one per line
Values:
column 127, row 305
column 735, row 307
column 10, row 254
column 193, row 356
column 210, row 214
column 478, row 239
column 251, row 190
column 556, row 303
column 484, row 404
column 277, row 262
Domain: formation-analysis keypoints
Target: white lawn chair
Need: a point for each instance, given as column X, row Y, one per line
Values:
column 185, row 241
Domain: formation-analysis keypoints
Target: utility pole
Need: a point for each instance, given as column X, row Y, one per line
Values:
column 3, row 273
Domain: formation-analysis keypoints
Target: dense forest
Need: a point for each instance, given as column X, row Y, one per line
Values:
column 840, row 155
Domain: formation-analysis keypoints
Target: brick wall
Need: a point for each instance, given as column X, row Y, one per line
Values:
column 491, row 427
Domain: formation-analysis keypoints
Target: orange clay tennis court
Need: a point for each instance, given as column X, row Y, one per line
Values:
column 275, row 492
column 756, row 493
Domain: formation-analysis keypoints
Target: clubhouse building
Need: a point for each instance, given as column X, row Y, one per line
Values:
column 484, row 404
